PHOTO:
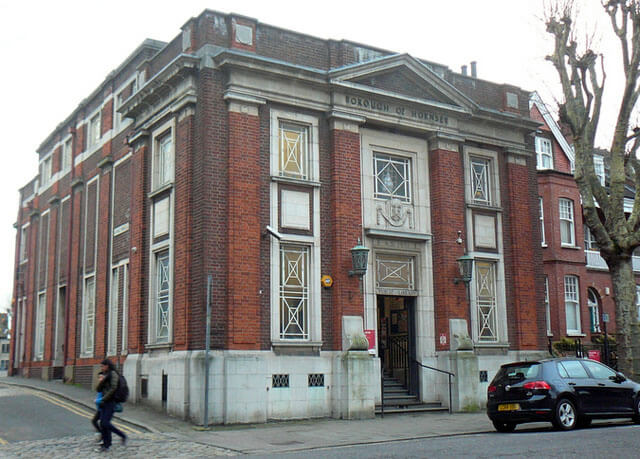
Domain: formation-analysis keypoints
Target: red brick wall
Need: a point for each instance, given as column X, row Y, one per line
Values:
column 103, row 268
column 244, row 231
column 346, row 227
column 525, row 315
column 182, row 230
column 446, row 176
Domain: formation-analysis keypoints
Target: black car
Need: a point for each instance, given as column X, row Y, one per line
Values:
column 567, row 392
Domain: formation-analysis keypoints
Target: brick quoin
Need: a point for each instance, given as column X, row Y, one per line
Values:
column 103, row 268
column 244, row 231
column 346, row 225
column 446, row 177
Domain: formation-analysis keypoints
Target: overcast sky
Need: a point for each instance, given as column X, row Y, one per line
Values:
column 56, row 52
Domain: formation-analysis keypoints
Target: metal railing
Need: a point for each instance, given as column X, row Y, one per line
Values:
column 400, row 359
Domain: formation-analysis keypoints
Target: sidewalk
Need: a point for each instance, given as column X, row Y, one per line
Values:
column 277, row 437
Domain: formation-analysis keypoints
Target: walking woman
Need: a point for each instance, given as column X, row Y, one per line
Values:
column 108, row 388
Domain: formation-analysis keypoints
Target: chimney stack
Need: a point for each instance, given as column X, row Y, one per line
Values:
column 464, row 70
column 474, row 72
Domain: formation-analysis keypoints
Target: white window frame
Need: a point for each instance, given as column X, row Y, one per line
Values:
column 125, row 307
column 155, row 312
column 41, row 317
column 594, row 310
column 163, row 161
column 598, row 167
column 590, row 242
column 486, row 311
column 94, row 129
column 393, row 161
column 67, row 155
column 88, row 316
column 638, row 300
column 491, row 159
column 544, row 153
column 547, row 306
column 567, row 216
column 46, row 170
column 112, row 327
column 572, row 300
column 311, row 241
column 543, row 240
column 24, row 239
column 118, row 100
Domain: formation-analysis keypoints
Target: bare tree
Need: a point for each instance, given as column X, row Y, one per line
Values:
column 582, row 77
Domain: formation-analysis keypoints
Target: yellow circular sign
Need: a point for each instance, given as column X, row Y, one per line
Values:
column 326, row 280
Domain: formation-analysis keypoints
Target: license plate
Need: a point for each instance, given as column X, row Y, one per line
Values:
column 509, row 407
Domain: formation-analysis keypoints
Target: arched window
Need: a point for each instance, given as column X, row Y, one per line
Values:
column 594, row 315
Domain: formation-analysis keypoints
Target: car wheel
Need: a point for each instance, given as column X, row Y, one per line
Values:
column 504, row 426
column 565, row 416
column 636, row 418
column 584, row 422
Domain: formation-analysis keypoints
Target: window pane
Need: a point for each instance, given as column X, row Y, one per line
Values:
column 480, row 188
column 566, row 221
column 294, row 150
column 574, row 369
column 392, row 177
column 294, row 292
column 162, row 296
column 486, row 301
column 89, row 314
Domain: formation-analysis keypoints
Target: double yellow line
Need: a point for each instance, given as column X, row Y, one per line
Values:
column 79, row 411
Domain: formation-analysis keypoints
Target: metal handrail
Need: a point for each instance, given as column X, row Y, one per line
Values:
column 448, row 373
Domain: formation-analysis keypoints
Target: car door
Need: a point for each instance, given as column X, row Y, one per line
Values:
column 577, row 378
column 614, row 395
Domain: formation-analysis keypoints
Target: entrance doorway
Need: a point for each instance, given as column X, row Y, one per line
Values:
column 396, row 340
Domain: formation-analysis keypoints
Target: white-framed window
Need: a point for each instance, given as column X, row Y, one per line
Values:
column 46, row 171
column 40, row 322
column 294, row 292
column 392, row 177
column 547, row 307
column 544, row 153
column 125, row 308
column 163, row 158
column 572, row 304
column 112, row 340
column 65, row 161
column 94, row 130
column 481, row 186
column 293, row 144
column 567, row 230
column 486, row 300
column 590, row 242
column 638, row 300
column 594, row 313
column 598, row 166
column 24, row 238
column 295, row 259
column 129, row 89
column 161, row 313
column 88, row 315
column 542, row 237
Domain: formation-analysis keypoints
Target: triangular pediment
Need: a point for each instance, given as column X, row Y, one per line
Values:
column 402, row 76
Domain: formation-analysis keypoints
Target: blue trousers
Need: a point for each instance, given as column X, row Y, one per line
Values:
column 106, row 413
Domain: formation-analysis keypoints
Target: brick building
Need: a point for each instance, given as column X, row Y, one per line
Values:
column 578, row 289
column 259, row 157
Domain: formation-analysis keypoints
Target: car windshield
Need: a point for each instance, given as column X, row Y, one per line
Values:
column 519, row 371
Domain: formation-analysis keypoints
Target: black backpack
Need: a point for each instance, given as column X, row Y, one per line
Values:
column 122, row 392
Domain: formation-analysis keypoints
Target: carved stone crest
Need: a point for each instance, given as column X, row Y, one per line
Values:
column 395, row 213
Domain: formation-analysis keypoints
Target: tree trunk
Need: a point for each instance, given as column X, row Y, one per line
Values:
column 627, row 332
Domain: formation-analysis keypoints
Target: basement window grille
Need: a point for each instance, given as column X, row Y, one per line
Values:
column 279, row 381
column 316, row 380
column 484, row 377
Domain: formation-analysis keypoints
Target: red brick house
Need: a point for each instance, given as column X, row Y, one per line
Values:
column 259, row 158
column 578, row 291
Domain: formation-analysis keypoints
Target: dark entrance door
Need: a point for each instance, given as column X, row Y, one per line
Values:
column 396, row 339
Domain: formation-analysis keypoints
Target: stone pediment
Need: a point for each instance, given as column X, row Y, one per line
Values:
column 402, row 76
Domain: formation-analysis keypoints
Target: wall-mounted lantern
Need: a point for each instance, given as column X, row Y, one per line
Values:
column 359, row 258
column 465, row 264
